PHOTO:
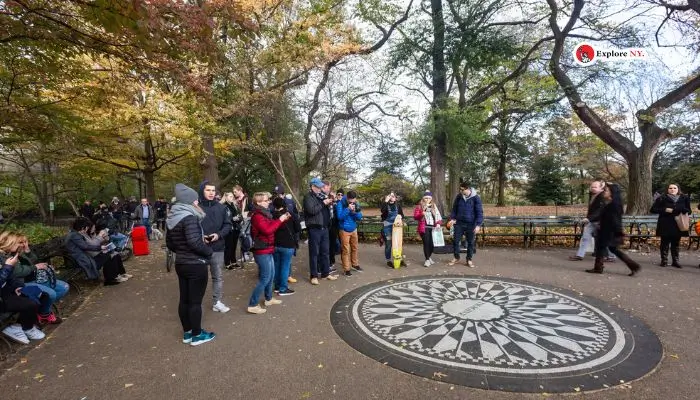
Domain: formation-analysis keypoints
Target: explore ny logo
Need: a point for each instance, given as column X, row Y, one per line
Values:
column 586, row 54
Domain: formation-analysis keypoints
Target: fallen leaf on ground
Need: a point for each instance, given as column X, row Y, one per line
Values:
column 126, row 385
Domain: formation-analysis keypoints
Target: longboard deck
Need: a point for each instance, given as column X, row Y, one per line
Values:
column 397, row 242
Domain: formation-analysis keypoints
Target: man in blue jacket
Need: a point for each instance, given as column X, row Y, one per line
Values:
column 467, row 216
column 215, row 226
column 348, row 213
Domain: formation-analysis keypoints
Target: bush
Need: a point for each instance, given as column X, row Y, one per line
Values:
column 36, row 233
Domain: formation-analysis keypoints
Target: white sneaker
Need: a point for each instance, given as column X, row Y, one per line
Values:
column 35, row 334
column 272, row 302
column 427, row 263
column 431, row 261
column 16, row 333
column 470, row 264
column 121, row 278
column 127, row 276
column 220, row 307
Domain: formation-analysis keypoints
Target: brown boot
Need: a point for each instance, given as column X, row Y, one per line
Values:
column 631, row 264
column 597, row 267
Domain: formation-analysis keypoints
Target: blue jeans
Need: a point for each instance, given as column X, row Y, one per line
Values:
column 266, row 269
column 216, row 265
column 147, row 223
column 461, row 228
column 318, row 252
column 119, row 240
column 387, row 241
column 586, row 237
column 55, row 294
column 283, row 264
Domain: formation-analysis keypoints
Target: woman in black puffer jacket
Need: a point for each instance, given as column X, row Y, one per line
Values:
column 185, row 238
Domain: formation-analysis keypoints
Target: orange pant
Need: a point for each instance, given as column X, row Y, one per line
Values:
column 348, row 242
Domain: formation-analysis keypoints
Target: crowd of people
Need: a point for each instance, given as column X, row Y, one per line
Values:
column 205, row 229
column 603, row 225
column 204, row 232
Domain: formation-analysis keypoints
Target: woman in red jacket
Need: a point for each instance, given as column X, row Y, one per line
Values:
column 262, row 229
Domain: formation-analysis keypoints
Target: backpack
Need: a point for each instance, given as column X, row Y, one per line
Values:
column 46, row 277
column 246, row 238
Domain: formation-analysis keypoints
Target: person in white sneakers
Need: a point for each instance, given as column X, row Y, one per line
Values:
column 263, row 228
column 428, row 216
column 15, row 298
column 215, row 225
column 466, row 217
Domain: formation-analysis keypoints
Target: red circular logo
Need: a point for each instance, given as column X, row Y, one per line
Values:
column 585, row 53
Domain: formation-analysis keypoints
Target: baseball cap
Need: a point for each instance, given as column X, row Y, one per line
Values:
column 317, row 182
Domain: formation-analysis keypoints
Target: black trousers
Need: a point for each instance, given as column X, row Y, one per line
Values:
column 333, row 236
column 673, row 242
column 231, row 244
column 193, row 280
column 428, row 246
column 26, row 308
column 111, row 264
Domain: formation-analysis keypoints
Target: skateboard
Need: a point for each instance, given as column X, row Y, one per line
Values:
column 397, row 241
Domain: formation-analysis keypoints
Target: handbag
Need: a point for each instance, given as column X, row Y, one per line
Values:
column 46, row 277
column 438, row 237
column 683, row 222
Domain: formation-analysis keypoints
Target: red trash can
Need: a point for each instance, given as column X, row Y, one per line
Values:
column 139, row 240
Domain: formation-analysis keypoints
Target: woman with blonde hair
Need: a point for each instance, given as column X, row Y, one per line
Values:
column 231, row 240
column 263, row 228
column 428, row 217
column 14, row 296
column 33, row 273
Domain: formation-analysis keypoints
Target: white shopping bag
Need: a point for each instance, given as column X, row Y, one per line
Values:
column 438, row 238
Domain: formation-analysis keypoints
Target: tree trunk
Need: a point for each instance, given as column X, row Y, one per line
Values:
column 148, row 178
column 150, row 168
column 454, row 177
column 210, row 166
column 639, row 195
column 501, row 175
column 437, row 151
column 438, row 155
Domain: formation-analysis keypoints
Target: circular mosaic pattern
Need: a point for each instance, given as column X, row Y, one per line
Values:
column 496, row 333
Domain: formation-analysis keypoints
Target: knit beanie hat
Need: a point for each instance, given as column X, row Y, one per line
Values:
column 185, row 194
column 428, row 193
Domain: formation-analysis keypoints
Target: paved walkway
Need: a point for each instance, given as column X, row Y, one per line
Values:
column 124, row 342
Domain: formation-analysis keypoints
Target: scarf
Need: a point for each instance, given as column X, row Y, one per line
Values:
column 264, row 211
column 674, row 197
column 431, row 217
column 179, row 211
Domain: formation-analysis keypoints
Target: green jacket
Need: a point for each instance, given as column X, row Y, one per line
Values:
column 26, row 265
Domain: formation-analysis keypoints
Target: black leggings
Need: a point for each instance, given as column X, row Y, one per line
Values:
column 193, row 280
column 428, row 243
column 26, row 308
column 111, row 264
column 231, row 244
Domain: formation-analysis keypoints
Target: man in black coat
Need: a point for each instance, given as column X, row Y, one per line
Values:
column 592, row 220
column 216, row 225
column 317, row 219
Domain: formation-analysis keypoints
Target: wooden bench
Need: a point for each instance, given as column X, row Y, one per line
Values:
column 547, row 227
column 503, row 227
